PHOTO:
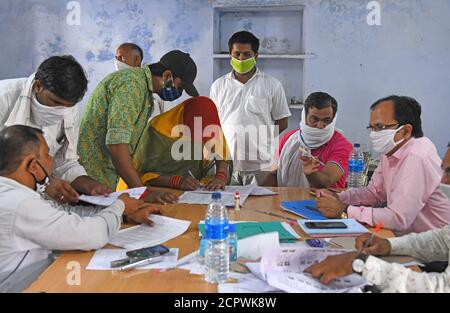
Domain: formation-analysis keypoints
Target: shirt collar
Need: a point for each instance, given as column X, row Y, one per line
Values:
column 12, row 183
column 233, row 77
column 404, row 150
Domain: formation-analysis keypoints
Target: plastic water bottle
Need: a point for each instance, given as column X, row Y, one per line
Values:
column 217, row 259
column 232, row 243
column 355, row 167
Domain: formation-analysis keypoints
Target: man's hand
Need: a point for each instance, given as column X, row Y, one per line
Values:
column 138, row 211
column 189, row 183
column 310, row 165
column 379, row 246
column 100, row 190
column 216, row 184
column 161, row 197
column 331, row 206
column 61, row 191
column 324, row 192
column 332, row 267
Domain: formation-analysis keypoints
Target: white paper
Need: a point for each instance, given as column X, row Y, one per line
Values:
column 253, row 248
column 303, row 282
column 204, row 197
column 284, row 269
column 164, row 229
column 294, row 259
column 261, row 191
column 135, row 193
column 102, row 260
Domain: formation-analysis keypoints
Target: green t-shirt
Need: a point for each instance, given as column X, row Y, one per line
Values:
column 116, row 113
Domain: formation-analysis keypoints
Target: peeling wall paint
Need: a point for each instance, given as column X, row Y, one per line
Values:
column 357, row 63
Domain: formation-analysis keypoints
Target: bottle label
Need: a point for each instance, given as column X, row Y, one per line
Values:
column 232, row 245
column 216, row 231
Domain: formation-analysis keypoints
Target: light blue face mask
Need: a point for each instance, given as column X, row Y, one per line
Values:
column 170, row 93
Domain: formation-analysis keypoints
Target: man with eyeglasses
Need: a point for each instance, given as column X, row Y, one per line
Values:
column 404, row 191
column 430, row 246
column 327, row 166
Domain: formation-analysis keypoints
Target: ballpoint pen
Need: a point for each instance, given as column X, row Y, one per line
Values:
column 309, row 155
column 369, row 242
column 151, row 260
column 277, row 215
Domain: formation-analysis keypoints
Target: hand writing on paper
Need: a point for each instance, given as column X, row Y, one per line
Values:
column 379, row 246
column 138, row 211
column 332, row 267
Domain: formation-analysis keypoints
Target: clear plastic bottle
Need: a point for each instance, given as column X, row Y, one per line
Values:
column 232, row 243
column 355, row 167
column 217, row 259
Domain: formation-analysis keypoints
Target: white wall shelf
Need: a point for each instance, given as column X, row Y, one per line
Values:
column 282, row 52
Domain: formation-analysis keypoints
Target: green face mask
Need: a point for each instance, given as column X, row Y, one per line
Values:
column 243, row 67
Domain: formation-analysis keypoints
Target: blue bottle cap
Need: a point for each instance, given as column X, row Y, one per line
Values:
column 357, row 145
column 216, row 196
column 231, row 228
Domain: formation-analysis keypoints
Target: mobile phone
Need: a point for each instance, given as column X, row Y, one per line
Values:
column 146, row 253
column 325, row 225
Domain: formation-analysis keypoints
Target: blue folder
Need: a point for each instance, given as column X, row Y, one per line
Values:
column 305, row 208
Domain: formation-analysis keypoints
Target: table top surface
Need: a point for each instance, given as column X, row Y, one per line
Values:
column 55, row 278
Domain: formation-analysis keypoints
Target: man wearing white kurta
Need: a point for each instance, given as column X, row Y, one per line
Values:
column 251, row 104
column 31, row 226
column 47, row 100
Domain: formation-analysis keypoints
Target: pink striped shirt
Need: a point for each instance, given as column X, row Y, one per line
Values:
column 405, row 191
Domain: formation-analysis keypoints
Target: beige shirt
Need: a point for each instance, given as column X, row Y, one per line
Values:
column 31, row 227
column 430, row 246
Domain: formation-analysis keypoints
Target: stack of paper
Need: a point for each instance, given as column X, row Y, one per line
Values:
column 164, row 229
column 135, row 193
column 283, row 268
column 204, row 197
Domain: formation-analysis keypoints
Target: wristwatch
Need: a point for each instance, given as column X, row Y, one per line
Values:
column 359, row 262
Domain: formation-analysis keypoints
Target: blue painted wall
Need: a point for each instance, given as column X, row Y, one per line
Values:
column 357, row 63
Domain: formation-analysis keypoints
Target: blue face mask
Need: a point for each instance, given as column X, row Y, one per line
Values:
column 170, row 93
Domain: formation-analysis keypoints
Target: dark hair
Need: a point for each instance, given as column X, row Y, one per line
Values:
column 244, row 37
column 320, row 100
column 406, row 111
column 17, row 141
column 63, row 76
column 134, row 47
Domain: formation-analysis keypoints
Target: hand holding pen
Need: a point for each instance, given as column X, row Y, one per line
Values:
column 373, row 245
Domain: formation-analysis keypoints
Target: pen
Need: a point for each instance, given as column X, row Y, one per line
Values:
column 369, row 242
column 277, row 215
column 192, row 175
column 142, row 262
column 309, row 155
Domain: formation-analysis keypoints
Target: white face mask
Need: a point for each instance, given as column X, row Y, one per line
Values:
column 46, row 116
column 445, row 189
column 120, row 65
column 383, row 141
column 313, row 137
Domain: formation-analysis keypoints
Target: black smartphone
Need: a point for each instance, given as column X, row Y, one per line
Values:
column 325, row 225
column 146, row 253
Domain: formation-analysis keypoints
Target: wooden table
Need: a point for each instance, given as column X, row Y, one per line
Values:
column 54, row 278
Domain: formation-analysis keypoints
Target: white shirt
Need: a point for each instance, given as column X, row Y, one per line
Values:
column 62, row 138
column 245, row 108
column 30, row 223
column 427, row 247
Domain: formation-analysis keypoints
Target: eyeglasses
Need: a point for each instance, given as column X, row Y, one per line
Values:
column 379, row 127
